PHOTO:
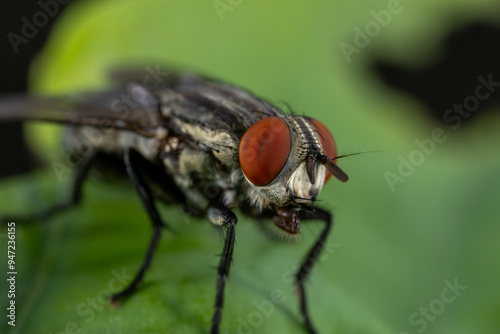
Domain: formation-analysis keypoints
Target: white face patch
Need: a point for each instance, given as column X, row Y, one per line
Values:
column 303, row 191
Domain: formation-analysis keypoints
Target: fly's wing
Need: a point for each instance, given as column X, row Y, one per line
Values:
column 131, row 108
column 203, row 110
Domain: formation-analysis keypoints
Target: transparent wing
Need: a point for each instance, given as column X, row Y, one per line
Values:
column 154, row 99
column 130, row 108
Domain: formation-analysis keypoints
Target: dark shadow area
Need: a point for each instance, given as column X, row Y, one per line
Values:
column 449, row 88
column 24, row 30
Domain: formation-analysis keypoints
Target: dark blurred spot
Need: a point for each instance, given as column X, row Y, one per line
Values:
column 24, row 29
column 449, row 88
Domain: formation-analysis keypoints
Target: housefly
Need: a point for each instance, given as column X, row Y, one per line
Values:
column 203, row 144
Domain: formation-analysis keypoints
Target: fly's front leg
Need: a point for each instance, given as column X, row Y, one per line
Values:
column 225, row 217
column 310, row 260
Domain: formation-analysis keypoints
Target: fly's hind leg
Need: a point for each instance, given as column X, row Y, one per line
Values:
column 137, row 167
column 75, row 194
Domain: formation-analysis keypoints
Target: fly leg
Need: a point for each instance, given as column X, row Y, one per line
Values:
column 136, row 165
column 310, row 260
column 228, row 219
column 75, row 194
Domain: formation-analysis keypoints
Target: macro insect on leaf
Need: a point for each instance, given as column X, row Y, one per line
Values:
column 186, row 134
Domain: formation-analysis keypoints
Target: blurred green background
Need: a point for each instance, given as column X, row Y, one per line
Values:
column 396, row 246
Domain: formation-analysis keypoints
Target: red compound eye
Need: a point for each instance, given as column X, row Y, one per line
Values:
column 264, row 150
column 327, row 141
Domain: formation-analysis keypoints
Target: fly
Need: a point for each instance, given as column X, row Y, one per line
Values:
column 206, row 146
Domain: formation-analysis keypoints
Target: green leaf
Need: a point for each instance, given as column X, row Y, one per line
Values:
column 393, row 250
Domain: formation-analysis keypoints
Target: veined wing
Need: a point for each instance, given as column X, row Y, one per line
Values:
column 131, row 108
column 177, row 102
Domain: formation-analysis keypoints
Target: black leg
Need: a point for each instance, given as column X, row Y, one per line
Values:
column 132, row 161
column 310, row 260
column 75, row 195
column 229, row 220
column 137, row 166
